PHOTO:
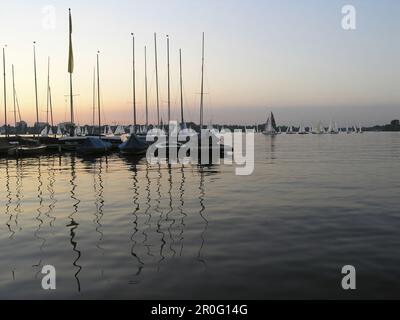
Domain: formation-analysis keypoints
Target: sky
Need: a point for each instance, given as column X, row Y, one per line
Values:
column 291, row 57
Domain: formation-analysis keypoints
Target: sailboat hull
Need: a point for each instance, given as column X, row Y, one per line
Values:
column 270, row 133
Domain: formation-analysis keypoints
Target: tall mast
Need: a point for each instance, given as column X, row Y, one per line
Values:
column 181, row 83
column 169, row 83
column 156, row 64
column 5, row 92
column 98, row 92
column 70, row 71
column 14, row 99
column 71, row 99
column 36, row 94
column 94, row 98
column 145, row 85
column 133, row 82
column 50, row 101
column 202, row 85
column 48, row 90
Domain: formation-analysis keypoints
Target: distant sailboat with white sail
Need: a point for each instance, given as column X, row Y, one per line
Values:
column 302, row 130
column 319, row 129
column 270, row 126
column 290, row 130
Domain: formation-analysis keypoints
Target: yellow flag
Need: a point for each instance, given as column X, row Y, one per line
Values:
column 71, row 54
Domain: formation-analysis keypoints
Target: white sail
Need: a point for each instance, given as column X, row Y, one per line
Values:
column 131, row 129
column 330, row 128
column 44, row 133
column 50, row 133
column 302, row 130
column 119, row 131
column 318, row 129
column 59, row 132
column 78, row 131
column 109, row 132
column 269, row 130
column 268, row 126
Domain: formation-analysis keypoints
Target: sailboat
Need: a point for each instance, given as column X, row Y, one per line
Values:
column 302, row 130
column 95, row 145
column 47, row 136
column 133, row 145
column 289, row 130
column 318, row 129
column 332, row 129
column 109, row 131
column 205, row 135
column 78, row 131
column 119, row 131
column 270, row 126
column 6, row 147
column 31, row 147
column 44, row 132
column 360, row 129
column 72, row 141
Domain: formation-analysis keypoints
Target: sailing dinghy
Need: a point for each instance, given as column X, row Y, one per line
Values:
column 270, row 126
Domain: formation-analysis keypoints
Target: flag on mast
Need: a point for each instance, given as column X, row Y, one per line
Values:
column 71, row 54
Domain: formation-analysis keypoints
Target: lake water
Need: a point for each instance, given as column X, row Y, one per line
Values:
column 119, row 228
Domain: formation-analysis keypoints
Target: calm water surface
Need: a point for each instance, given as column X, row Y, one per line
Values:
column 120, row 228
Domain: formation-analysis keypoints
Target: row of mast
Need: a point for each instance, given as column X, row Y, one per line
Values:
column 70, row 71
column 15, row 98
column 157, row 84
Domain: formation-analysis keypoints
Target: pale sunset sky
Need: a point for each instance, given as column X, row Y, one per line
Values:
column 288, row 56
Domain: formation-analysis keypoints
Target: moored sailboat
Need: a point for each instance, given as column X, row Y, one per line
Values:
column 32, row 147
column 95, row 145
column 136, row 143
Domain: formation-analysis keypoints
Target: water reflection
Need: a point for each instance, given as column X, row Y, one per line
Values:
column 181, row 208
column 99, row 204
column 51, row 179
column 169, row 212
column 202, row 210
column 73, row 225
column 147, row 212
column 18, row 194
column 39, row 219
column 8, row 201
column 162, row 205
column 136, row 208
